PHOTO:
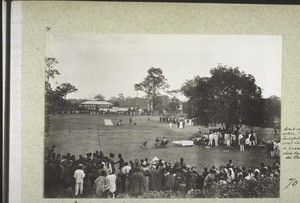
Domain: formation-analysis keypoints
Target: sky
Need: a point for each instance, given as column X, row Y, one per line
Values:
column 111, row 64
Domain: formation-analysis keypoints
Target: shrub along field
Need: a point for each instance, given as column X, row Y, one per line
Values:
column 78, row 134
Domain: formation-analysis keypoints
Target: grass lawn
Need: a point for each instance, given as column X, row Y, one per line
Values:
column 77, row 134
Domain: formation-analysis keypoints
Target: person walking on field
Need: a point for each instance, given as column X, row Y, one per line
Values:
column 79, row 176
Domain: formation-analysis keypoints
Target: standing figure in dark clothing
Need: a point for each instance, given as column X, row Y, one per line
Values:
column 120, row 162
column 163, row 142
column 112, row 162
column 157, row 143
column 181, row 163
column 156, row 179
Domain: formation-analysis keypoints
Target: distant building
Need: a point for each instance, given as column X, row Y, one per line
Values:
column 96, row 105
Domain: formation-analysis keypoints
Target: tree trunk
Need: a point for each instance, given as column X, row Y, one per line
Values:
column 238, row 126
column 152, row 100
column 148, row 103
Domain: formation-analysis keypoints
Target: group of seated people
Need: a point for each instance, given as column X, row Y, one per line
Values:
column 108, row 178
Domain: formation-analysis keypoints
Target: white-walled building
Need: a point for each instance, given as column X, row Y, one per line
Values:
column 96, row 105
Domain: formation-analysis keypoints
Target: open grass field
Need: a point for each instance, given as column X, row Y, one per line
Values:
column 77, row 134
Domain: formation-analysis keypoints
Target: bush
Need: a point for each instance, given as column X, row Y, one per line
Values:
column 265, row 188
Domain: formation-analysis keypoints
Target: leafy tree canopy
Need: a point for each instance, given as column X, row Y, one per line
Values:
column 229, row 96
column 99, row 97
column 152, row 84
column 65, row 89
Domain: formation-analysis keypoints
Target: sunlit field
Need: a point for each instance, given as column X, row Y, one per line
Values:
column 78, row 134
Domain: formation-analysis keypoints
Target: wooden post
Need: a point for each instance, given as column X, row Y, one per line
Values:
column 98, row 135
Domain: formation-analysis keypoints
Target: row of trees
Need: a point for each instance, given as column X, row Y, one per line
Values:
column 228, row 96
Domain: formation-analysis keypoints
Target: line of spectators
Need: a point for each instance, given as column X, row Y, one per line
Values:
column 181, row 122
column 109, row 178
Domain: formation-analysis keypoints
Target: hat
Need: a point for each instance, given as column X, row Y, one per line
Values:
column 155, row 159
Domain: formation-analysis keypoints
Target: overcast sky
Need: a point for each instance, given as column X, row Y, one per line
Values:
column 112, row 64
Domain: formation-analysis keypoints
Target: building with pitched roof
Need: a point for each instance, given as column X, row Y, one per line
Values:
column 96, row 105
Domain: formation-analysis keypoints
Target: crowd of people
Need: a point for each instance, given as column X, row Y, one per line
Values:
column 109, row 177
column 216, row 137
column 180, row 122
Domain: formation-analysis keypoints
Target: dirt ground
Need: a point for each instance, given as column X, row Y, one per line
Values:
column 78, row 134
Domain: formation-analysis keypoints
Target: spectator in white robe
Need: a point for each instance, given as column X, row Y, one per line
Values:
column 277, row 149
column 170, row 125
column 226, row 137
column 249, row 135
column 239, row 138
column 228, row 140
column 230, row 176
column 247, row 142
column 250, row 175
column 255, row 138
column 79, row 176
column 216, row 138
column 272, row 148
column 211, row 137
column 111, row 178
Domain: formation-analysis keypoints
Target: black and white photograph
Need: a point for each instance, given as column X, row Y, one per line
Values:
column 162, row 116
